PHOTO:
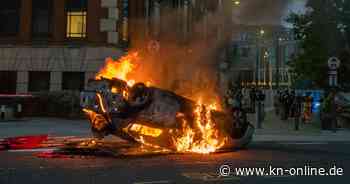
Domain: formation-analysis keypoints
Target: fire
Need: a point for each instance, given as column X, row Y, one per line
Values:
column 98, row 120
column 204, row 137
column 145, row 130
column 119, row 69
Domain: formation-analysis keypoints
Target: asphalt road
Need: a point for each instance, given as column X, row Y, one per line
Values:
column 24, row 167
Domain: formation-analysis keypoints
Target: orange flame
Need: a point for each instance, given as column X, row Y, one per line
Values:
column 202, row 138
column 208, row 141
column 145, row 130
column 119, row 69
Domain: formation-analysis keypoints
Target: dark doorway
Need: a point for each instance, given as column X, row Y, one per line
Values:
column 8, row 82
column 73, row 81
column 39, row 81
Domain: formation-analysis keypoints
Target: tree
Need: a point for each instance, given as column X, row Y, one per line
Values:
column 323, row 31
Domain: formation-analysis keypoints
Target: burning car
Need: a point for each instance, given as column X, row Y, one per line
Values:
column 155, row 117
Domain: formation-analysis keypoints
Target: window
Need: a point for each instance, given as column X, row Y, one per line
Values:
column 41, row 18
column 9, row 17
column 73, row 81
column 8, row 81
column 76, row 18
column 39, row 81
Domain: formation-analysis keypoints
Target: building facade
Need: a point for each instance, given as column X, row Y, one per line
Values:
column 53, row 45
column 260, row 55
column 49, row 45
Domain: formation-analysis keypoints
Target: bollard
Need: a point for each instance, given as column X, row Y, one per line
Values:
column 19, row 110
column 258, row 115
column 296, row 123
column 3, row 109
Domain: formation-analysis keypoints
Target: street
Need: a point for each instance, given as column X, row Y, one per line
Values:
column 21, row 166
column 174, row 91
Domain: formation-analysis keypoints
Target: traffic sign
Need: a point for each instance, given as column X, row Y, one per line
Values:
column 333, row 63
column 333, row 72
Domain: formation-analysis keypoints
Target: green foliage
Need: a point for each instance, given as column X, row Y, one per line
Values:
column 323, row 31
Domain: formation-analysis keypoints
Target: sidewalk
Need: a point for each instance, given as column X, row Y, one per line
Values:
column 276, row 130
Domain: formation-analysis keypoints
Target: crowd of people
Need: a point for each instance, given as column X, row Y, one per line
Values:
column 289, row 105
column 240, row 101
column 244, row 98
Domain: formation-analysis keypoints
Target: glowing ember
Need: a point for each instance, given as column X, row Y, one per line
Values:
column 145, row 130
column 98, row 120
column 201, row 137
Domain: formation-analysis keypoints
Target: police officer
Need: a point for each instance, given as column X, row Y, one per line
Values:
column 260, row 97
column 252, row 96
column 284, row 104
column 291, row 105
column 277, row 102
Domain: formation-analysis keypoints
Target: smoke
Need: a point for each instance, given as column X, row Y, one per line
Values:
column 188, row 63
column 265, row 12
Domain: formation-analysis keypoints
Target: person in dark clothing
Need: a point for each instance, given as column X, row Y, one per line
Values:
column 252, row 96
column 285, row 105
column 291, row 101
column 277, row 102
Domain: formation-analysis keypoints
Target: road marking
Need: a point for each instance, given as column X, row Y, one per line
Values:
column 154, row 182
column 209, row 177
column 305, row 143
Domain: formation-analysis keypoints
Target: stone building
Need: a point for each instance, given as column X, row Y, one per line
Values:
column 49, row 45
column 52, row 45
column 260, row 55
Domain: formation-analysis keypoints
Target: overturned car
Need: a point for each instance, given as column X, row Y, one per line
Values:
column 159, row 118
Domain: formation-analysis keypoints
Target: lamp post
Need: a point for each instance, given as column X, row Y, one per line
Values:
column 333, row 65
column 278, row 58
column 257, row 79
column 258, row 57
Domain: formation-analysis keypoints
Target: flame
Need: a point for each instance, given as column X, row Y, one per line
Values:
column 209, row 139
column 119, row 69
column 145, row 130
column 97, row 120
column 203, row 137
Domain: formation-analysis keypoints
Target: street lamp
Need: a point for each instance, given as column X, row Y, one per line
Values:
column 257, row 76
column 262, row 32
column 236, row 2
column 266, row 67
column 278, row 57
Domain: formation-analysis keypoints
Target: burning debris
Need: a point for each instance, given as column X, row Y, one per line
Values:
column 117, row 104
column 150, row 119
